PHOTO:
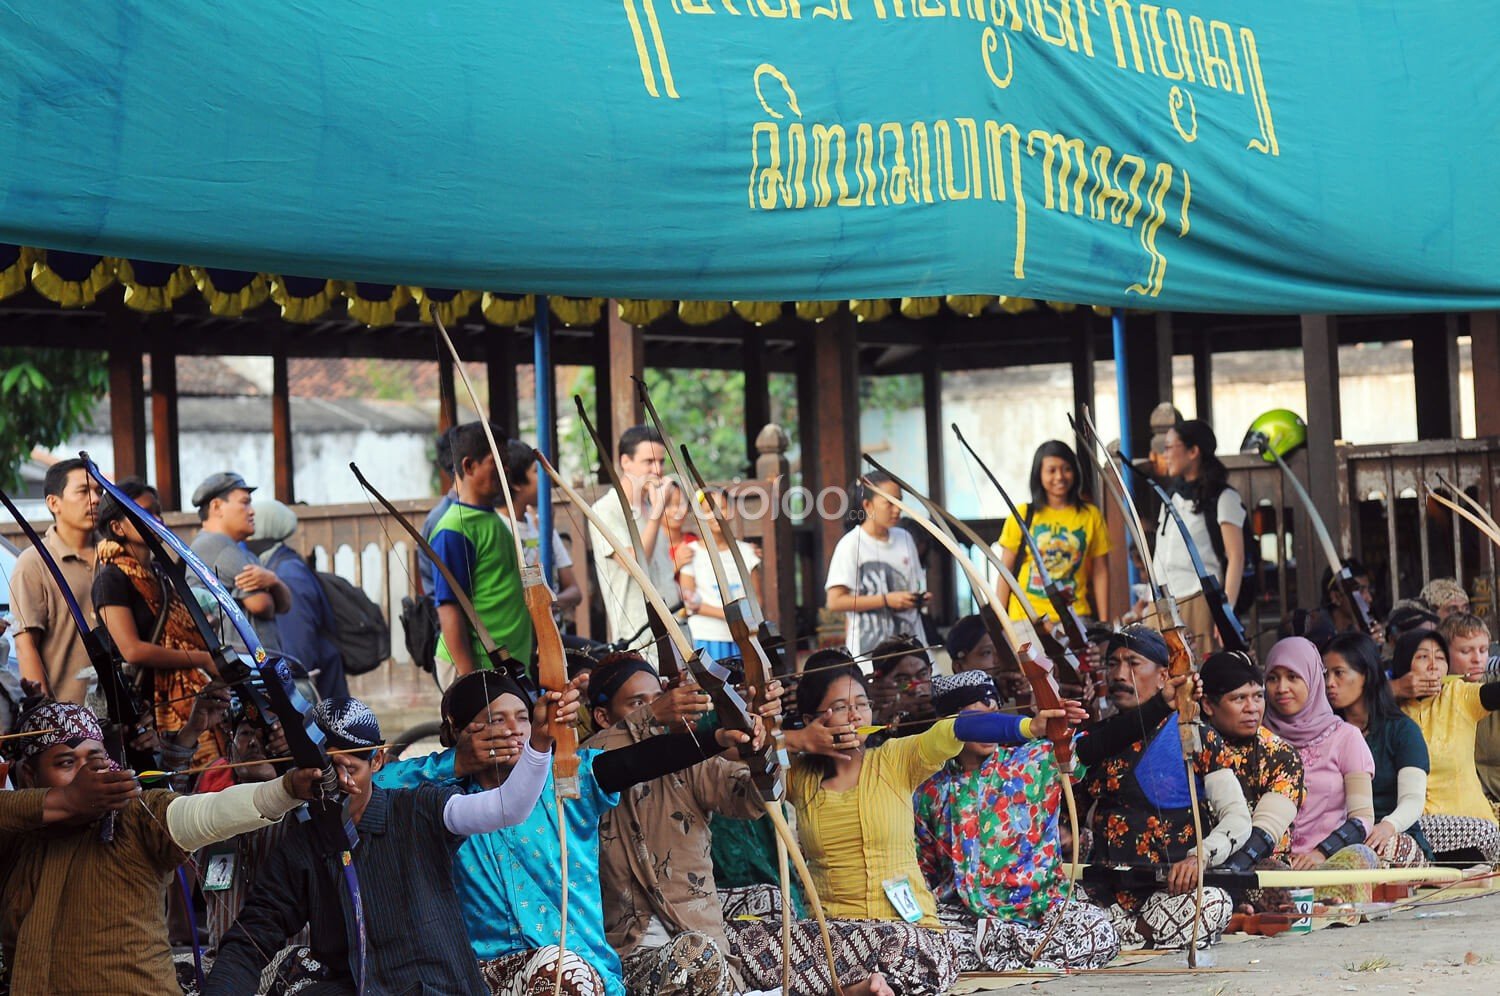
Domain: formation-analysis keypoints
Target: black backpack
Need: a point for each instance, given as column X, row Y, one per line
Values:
column 1250, row 582
column 359, row 627
column 419, row 621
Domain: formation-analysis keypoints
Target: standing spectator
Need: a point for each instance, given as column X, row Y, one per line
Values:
column 641, row 455
column 1336, row 604
column 147, row 621
column 224, row 507
column 700, row 585
column 1215, row 516
column 475, row 545
column 1069, row 531
column 875, row 576
column 521, row 472
column 443, row 462
column 307, row 627
column 48, row 645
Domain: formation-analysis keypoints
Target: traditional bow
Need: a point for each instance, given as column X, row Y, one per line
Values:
column 121, row 701
column 732, row 711
column 1180, row 660
column 552, row 668
column 997, row 624
column 669, row 658
column 1476, row 514
column 273, row 694
column 767, row 766
column 1061, row 601
column 1231, row 632
column 1359, row 605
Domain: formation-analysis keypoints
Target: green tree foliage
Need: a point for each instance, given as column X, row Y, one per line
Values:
column 46, row 395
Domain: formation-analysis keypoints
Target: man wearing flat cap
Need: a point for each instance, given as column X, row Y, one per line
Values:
column 224, row 508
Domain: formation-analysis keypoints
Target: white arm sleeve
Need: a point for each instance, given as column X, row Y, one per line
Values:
column 1411, row 798
column 1273, row 813
column 1227, row 801
column 198, row 820
column 503, row 806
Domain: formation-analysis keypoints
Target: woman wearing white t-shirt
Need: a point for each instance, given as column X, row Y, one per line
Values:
column 875, row 576
column 1200, row 490
column 700, row 585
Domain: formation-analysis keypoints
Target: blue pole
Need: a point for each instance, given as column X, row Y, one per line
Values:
column 1122, row 389
column 541, row 358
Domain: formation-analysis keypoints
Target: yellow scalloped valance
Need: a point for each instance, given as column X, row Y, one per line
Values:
column 875, row 309
column 507, row 309
column 231, row 293
column 921, row 307
column 152, row 288
column 642, row 312
column 450, row 305
column 757, row 312
column 15, row 261
column 70, row 279
column 577, row 310
column 702, row 312
column 304, row 299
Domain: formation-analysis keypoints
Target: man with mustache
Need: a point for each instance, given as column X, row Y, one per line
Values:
column 1144, row 813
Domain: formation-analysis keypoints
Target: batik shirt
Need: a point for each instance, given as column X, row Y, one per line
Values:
column 989, row 838
column 1266, row 764
column 1144, row 813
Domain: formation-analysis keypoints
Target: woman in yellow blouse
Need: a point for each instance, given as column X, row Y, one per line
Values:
column 1458, row 820
column 856, row 818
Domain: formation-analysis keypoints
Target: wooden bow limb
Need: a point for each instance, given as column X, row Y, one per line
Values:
column 1043, row 692
column 1179, row 656
column 552, row 667
column 670, row 664
column 1486, row 529
column 685, row 647
column 1317, row 878
column 1469, row 500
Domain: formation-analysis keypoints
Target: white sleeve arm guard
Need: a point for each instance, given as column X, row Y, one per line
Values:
column 1227, row 801
column 197, row 820
column 503, row 806
column 1411, row 798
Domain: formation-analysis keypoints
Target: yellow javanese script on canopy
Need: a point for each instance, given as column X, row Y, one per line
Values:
column 1148, row 39
column 891, row 164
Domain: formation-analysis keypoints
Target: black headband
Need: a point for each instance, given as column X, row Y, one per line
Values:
column 1228, row 670
column 610, row 676
column 471, row 695
column 1141, row 640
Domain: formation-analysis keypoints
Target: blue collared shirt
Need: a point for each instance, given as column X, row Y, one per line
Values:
column 508, row 881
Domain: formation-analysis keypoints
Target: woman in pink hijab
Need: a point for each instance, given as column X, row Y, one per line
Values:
column 1338, row 768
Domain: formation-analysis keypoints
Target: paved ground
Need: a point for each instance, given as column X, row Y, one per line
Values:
column 1449, row 950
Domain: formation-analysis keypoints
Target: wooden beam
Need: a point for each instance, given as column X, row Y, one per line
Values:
column 627, row 359
column 127, row 407
column 1434, row 368
column 1484, row 338
column 283, row 463
column 500, row 363
column 1082, row 359
column 1148, row 351
column 604, row 417
column 1320, row 361
column 1203, row 377
column 757, row 388
column 939, row 581
column 165, row 429
column 835, row 463
column 447, row 410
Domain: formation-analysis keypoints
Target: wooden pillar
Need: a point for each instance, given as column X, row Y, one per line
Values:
column 1148, row 351
column 500, row 374
column 281, row 429
column 603, row 415
column 165, row 429
column 939, row 581
column 1084, row 393
column 1203, row 377
column 779, row 558
column 627, row 359
column 1484, row 336
column 1320, row 366
column 834, row 415
column 757, row 388
column 127, row 408
column 447, row 410
column 1434, row 368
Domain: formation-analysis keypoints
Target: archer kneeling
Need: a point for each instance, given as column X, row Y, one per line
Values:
column 991, row 847
column 1144, row 814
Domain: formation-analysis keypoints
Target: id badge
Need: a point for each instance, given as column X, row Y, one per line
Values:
column 219, row 868
column 898, row 891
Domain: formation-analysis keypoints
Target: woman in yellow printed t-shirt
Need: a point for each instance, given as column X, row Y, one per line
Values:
column 1457, row 820
column 1069, row 532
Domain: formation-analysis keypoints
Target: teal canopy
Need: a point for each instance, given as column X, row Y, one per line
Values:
column 1281, row 156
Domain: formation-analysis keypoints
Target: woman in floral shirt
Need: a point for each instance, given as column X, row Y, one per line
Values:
column 990, row 847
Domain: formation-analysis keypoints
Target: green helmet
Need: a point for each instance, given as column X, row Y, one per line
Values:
column 1278, row 431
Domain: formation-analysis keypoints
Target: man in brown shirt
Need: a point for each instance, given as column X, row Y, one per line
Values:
column 656, row 876
column 48, row 645
column 83, row 916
